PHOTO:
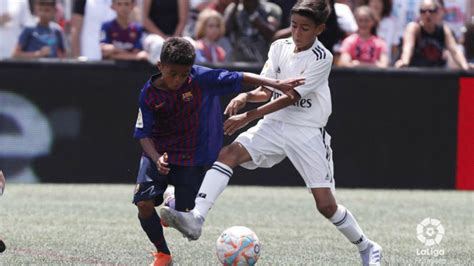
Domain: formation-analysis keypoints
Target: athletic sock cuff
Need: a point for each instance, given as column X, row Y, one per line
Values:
column 223, row 168
column 340, row 216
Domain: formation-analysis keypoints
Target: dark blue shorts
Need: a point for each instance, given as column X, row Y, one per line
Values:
column 151, row 184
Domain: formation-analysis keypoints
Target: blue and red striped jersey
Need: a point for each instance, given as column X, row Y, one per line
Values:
column 127, row 39
column 187, row 123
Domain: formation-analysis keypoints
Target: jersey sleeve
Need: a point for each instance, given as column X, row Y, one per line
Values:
column 138, row 41
column 268, row 69
column 60, row 37
column 24, row 38
column 218, row 81
column 104, row 33
column 145, row 122
column 316, row 76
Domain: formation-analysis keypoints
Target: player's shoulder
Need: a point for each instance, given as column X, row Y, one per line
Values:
column 282, row 43
column 108, row 24
column 320, row 52
column 136, row 26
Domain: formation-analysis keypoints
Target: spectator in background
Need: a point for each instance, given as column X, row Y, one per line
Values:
column 122, row 38
column 250, row 26
column 165, row 18
column 219, row 5
column 345, row 17
column 87, row 19
column 41, row 40
column 387, row 28
column 210, row 28
column 14, row 16
column 333, row 35
column 425, row 41
column 364, row 48
column 468, row 44
column 195, row 8
column 285, row 6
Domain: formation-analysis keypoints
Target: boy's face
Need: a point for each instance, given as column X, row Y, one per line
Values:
column 174, row 75
column 304, row 31
column 123, row 7
column 45, row 13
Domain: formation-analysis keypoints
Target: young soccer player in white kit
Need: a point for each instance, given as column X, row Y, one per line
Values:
column 293, row 127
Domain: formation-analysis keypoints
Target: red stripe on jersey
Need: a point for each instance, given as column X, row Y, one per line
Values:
column 465, row 146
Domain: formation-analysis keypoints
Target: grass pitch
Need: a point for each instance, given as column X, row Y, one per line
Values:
column 97, row 224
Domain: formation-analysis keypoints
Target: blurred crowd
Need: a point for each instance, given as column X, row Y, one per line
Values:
column 360, row 33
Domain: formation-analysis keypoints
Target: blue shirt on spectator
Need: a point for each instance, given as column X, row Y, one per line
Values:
column 34, row 38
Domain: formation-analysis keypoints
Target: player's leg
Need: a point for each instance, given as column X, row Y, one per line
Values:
column 257, row 147
column 214, row 183
column 309, row 151
column 345, row 222
column 148, row 194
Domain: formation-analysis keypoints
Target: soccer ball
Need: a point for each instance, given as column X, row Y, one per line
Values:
column 238, row 245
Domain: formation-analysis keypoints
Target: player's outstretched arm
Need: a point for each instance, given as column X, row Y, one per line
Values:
column 236, row 122
column 260, row 94
column 284, row 86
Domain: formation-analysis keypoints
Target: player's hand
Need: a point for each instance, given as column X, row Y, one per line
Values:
column 2, row 183
column 162, row 164
column 287, row 85
column 234, row 123
column 237, row 103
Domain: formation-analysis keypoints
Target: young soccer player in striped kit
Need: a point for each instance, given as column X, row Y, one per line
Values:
column 293, row 127
column 180, row 129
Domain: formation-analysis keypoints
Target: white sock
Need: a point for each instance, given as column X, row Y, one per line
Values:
column 345, row 222
column 212, row 186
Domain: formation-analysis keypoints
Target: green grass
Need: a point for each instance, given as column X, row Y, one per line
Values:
column 97, row 224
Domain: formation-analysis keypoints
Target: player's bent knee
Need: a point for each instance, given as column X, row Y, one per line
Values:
column 145, row 208
column 233, row 155
column 327, row 209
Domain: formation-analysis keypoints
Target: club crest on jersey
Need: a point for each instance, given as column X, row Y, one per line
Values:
column 187, row 96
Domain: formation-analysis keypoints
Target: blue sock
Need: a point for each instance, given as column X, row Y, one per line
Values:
column 154, row 231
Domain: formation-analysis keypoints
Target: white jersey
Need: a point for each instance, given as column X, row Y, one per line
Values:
column 314, row 64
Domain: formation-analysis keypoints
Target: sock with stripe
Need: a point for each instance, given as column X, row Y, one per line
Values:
column 348, row 226
column 154, row 231
column 212, row 186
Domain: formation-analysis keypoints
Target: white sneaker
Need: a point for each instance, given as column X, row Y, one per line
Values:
column 188, row 223
column 372, row 255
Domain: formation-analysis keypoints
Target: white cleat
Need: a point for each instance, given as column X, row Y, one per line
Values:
column 372, row 255
column 187, row 223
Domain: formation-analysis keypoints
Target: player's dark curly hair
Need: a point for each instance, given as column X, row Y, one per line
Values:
column 177, row 51
column 317, row 10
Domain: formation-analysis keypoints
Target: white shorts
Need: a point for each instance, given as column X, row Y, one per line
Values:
column 308, row 149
